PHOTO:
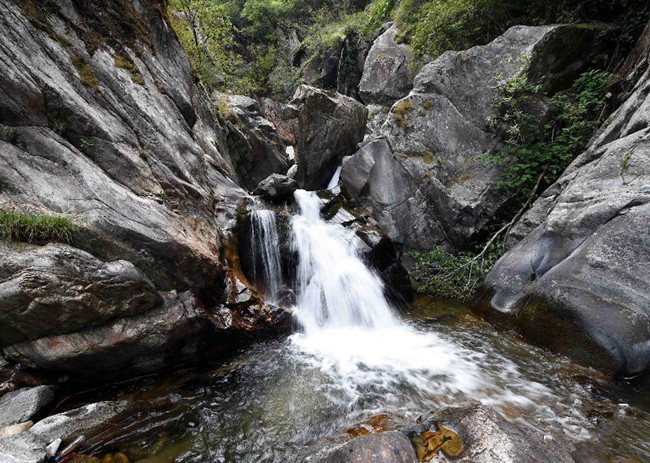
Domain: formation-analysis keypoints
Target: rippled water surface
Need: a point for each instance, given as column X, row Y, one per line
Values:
column 275, row 399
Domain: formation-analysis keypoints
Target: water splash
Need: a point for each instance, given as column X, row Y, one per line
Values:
column 348, row 326
column 264, row 240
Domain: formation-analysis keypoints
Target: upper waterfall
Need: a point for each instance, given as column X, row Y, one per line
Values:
column 334, row 286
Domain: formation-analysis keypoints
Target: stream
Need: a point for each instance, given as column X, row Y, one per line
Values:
column 354, row 357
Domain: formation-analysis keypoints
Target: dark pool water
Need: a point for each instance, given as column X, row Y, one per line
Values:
column 275, row 400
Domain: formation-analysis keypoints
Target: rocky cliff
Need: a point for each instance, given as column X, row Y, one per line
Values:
column 103, row 123
column 421, row 173
column 578, row 279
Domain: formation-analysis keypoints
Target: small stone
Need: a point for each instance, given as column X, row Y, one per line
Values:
column 15, row 429
column 52, row 447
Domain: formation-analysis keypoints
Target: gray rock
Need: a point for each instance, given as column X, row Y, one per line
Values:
column 321, row 70
column 21, row 405
column 330, row 126
column 255, row 148
column 422, row 176
column 80, row 421
column 490, row 438
column 24, row 448
column 387, row 447
column 59, row 289
column 276, row 187
column 15, row 429
column 53, row 447
column 577, row 282
column 110, row 130
column 387, row 73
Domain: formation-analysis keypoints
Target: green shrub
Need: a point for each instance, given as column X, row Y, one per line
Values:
column 533, row 150
column 452, row 276
column 435, row 26
column 35, row 229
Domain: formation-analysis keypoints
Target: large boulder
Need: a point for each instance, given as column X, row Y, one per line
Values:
column 578, row 280
column 57, row 289
column 102, row 123
column 421, row 174
column 255, row 148
column 388, row 73
column 322, row 127
column 330, row 126
column 21, row 405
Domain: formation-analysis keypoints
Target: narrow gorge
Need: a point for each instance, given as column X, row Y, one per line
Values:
column 330, row 231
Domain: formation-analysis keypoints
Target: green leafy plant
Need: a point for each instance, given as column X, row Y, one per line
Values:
column 536, row 153
column 435, row 26
column 35, row 229
column 452, row 276
column 85, row 146
column 378, row 12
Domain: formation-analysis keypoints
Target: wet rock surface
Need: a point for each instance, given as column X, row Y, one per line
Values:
column 576, row 281
column 421, row 174
column 487, row 437
column 388, row 447
column 71, row 424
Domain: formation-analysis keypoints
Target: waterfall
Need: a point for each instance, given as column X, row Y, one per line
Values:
column 335, row 288
column 265, row 242
column 350, row 331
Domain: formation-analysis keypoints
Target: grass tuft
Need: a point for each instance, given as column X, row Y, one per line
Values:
column 35, row 228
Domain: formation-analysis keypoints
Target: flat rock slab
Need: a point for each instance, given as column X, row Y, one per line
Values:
column 21, row 405
column 79, row 421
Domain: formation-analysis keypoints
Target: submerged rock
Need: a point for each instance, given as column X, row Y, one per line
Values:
column 421, row 174
column 23, row 404
column 577, row 281
column 387, row 447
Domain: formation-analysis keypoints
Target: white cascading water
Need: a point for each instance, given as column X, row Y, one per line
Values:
column 348, row 327
column 265, row 243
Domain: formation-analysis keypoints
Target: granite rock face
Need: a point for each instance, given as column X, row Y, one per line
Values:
column 254, row 145
column 577, row 280
column 21, row 405
column 387, row 73
column 421, row 173
column 323, row 127
column 103, row 123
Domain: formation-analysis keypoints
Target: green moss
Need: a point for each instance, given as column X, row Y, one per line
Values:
column 125, row 62
column 400, row 111
column 86, row 72
column 7, row 133
column 428, row 158
column 428, row 104
column 625, row 160
column 35, row 229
